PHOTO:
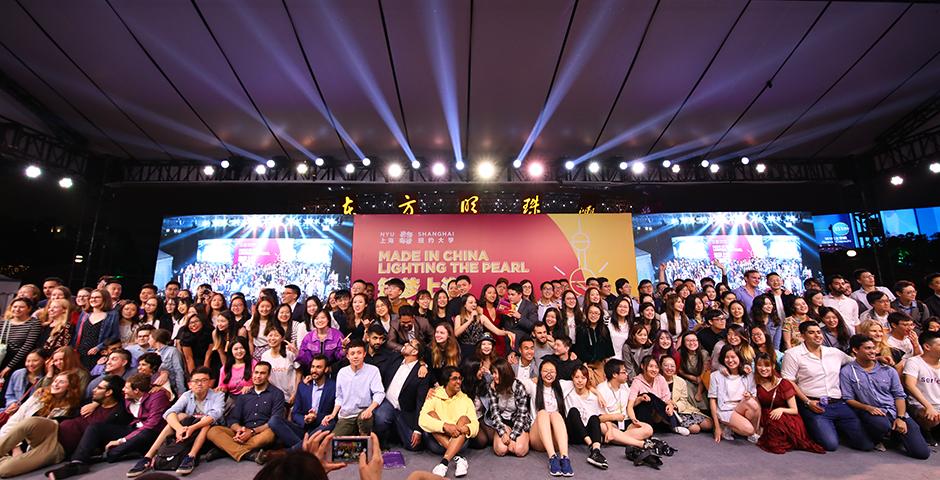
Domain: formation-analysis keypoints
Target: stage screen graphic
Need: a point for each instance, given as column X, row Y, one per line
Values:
column 834, row 231
column 245, row 253
column 691, row 245
column 427, row 251
column 917, row 221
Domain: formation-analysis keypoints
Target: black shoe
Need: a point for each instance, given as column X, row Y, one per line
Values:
column 928, row 437
column 597, row 459
column 70, row 469
column 214, row 453
column 251, row 456
column 139, row 468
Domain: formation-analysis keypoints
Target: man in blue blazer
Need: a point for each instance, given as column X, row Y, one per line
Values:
column 314, row 400
column 406, row 383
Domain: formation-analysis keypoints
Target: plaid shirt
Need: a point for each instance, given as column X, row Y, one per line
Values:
column 521, row 420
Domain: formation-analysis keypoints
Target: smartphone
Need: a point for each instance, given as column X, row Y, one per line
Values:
column 347, row 449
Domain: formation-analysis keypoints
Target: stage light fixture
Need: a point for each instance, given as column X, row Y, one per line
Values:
column 225, row 164
column 438, row 169
column 705, row 163
column 745, row 160
column 350, row 168
column 623, row 165
column 897, row 180
column 486, row 170
column 638, row 167
column 517, row 163
column 459, row 165
column 208, row 170
column 270, row 163
column 713, row 168
column 594, row 167
column 33, row 171
column 318, row 161
column 851, row 253
column 394, row 170
column 366, row 161
column 261, row 170
column 760, row 167
column 675, row 168
column 536, row 169
column 934, row 167
column 303, row 168
column 415, row 164
column 667, row 164
column 65, row 182
column 569, row 165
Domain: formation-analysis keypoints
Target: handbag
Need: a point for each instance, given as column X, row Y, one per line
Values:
column 4, row 336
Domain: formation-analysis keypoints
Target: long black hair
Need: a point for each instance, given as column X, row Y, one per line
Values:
column 230, row 360
column 472, row 386
column 556, row 388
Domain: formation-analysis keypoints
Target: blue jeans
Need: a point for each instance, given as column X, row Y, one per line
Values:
column 879, row 427
column 838, row 418
column 289, row 433
column 388, row 421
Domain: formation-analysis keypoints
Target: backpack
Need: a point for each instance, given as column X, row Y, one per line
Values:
column 171, row 453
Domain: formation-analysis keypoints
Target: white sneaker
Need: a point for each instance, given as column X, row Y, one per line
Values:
column 681, row 431
column 461, row 467
column 727, row 434
column 440, row 470
column 753, row 438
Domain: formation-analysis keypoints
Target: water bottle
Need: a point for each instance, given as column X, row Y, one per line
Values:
column 823, row 401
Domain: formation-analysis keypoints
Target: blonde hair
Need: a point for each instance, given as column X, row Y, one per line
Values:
column 58, row 324
column 865, row 328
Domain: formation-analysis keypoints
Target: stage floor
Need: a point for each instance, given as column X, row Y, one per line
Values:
column 698, row 457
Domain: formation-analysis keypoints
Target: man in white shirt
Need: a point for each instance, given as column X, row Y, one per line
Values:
column 902, row 335
column 547, row 300
column 814, row 371
column 406, row 386
column 622, row 429
column 846, row 306
column 866, row 282
column 922, row 383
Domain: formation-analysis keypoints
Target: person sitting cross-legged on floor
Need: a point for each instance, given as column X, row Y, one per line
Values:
column 247, row 429
column 316, row 396
column 121, row 441
column 449, row 420
column 189, row 419
column 874, row 391
column 359, row 392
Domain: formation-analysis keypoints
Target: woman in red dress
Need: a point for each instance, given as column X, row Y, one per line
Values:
column 781, row 424
column 488, row 302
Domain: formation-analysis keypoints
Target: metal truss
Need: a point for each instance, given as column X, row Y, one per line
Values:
column 777, row 171
column 906, row 143
column 920, row 147
column 21, row 143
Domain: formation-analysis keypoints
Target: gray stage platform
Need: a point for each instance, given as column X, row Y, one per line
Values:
column 698, row 457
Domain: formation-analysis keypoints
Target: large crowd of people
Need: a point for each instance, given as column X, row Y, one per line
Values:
column 312, row 278
column 173, row 378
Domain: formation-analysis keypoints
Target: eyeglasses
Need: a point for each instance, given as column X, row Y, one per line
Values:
column 200, row 380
